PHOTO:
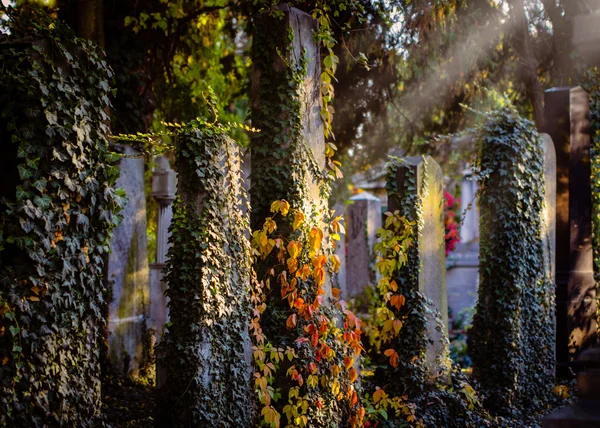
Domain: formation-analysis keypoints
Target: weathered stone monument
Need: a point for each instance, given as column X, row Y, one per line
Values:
column 127, row 269
column 363, row 217
column 421, row 179
column 203, row 369
column 567, row 123
column 164, row 187
column 549, row 225
column 340, row 279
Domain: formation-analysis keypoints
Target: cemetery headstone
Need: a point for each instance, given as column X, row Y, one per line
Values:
column 428, row 186
column 567, row 123
column 363, row 217
column 128, row 271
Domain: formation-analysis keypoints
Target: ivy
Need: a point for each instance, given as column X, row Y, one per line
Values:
column 208, row 272
column 593, row 88
column 513, row 331
column 58, row 209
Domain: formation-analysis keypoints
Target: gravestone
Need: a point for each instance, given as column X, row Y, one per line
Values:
column 428, row 185
column 274, row 149
column 128, row 270
column 363, row 217
column 164, row 186
column 567, row 123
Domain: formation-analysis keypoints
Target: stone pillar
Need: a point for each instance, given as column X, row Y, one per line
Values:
column 428, row 185
column 164, row 186
column 128, row 270
column 567, row 123
column 275, row 151
column 469, row 228
column 363, row 217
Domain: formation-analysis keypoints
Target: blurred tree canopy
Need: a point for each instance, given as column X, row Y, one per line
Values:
column 407, row 67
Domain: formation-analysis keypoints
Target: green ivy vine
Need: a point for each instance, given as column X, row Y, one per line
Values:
column 593, row 88
column 204, row 352
column 513, row 328
column 58, row 209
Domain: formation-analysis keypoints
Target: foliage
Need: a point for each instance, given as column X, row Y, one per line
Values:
column 59, row 208
column 450, row 206
column 208, row 273
column 402, row 383
column 593, row 87
column 313, row 351
column 513, row 330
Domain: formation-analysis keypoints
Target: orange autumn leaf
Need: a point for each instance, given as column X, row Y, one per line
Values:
column 393, row 357
column 292, row 265
column 319, row 276
column 348, row 362
column 353, row 375
column 291, row 321
column 312, row 367
column 393, row 286
column 397, row 301
column 304, row 272
column 319, row 261
column 379, row 395
column 299, row 302
column 336, row 292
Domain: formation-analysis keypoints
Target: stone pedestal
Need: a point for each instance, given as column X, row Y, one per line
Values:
column 426, row 178
column 585, row 413
column 363, row 217
column 567, row 123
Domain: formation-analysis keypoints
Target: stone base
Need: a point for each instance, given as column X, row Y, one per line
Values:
column 584, row 414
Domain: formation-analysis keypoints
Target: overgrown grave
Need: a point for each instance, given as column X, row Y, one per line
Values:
column 56, row 223
column 513, row 328
column 305, row 341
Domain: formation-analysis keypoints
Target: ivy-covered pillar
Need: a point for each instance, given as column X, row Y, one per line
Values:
column 55, row 222
column 513, row 328
column 296, row 312
column 203, row 357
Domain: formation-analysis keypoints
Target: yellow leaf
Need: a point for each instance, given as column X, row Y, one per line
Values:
column 314, row 237
column 298, row 219
column 335, row 263
column 284, row 207
column 294, row 248
column 379, row 395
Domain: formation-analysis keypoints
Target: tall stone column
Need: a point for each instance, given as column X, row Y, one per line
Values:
column 164, row 186
column 363, row 216
column 567, row 123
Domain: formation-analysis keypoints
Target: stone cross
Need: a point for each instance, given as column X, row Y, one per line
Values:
column 128, row 270
column 568, row 124
column 428, row 186
column 363, row 217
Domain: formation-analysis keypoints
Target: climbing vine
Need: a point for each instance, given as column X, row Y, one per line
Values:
column 513, row 326
column 58, row 209
column 593, row 87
